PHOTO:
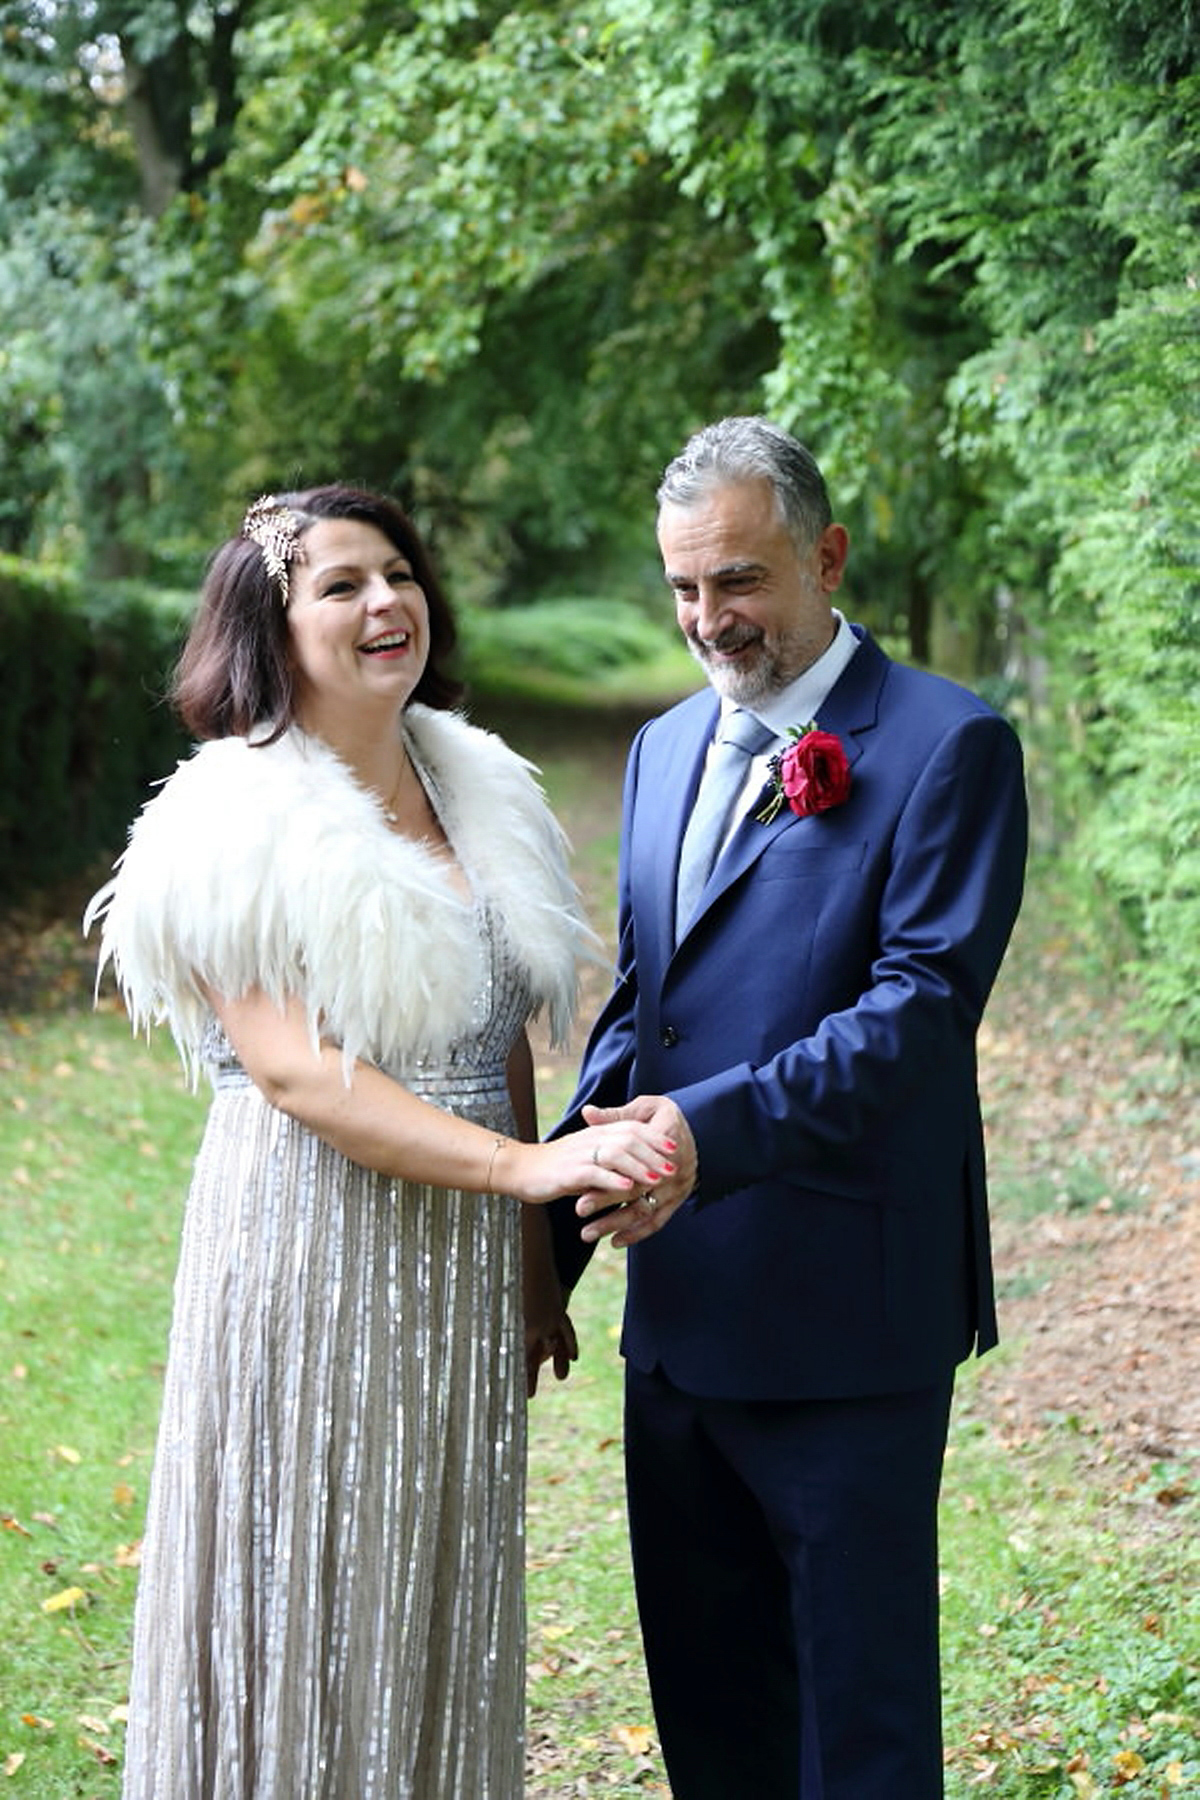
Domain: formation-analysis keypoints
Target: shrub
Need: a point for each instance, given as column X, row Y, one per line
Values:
column 84, row 729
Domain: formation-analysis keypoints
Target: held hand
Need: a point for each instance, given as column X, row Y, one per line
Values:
column 618, row 1159
column 641, row 1215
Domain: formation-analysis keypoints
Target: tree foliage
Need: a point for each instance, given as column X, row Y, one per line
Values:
column 501, row 255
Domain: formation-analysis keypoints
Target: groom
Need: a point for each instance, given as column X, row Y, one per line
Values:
column 805, row 953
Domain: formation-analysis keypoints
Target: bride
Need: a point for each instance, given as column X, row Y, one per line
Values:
column 347, row 904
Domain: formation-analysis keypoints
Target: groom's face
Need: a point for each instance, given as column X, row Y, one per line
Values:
column 753, row 605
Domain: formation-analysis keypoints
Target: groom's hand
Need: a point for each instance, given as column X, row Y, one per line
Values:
column 641, row 1217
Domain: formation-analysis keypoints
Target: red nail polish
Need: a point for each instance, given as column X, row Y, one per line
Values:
column 668, row 1145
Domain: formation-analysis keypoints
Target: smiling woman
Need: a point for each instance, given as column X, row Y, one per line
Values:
column 238, row 669
column 347, row 904
column 359, row 627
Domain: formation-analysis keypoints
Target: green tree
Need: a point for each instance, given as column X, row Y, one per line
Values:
column 110, row 111
column 502, row 256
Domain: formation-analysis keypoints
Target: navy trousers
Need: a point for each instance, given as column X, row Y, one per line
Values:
column 785, row 1558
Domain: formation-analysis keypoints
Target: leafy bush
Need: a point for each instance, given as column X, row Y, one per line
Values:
column 84, row 729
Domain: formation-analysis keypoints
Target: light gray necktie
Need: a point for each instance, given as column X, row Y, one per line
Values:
column 740, row 738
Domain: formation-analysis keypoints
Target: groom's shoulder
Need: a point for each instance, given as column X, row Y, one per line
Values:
column 683, row 714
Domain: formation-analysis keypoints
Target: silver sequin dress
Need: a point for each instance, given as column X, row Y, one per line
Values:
column 331, row 1596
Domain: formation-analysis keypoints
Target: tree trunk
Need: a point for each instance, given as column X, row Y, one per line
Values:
column 161, row 155
column 162, row 94
column 920, row 618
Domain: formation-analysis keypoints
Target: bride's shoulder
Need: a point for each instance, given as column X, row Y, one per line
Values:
column 235, row 787
column 455, row 744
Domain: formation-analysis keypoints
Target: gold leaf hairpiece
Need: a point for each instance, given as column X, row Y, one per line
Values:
column 276, row 529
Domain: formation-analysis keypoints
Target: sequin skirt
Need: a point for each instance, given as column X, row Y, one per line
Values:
column 331, row 1597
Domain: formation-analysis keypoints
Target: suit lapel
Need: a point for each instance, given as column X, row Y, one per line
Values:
column 850, row 711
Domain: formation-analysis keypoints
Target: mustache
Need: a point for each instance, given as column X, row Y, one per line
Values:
column 735, row 638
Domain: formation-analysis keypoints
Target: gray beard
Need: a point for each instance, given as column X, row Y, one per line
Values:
column 756, row 682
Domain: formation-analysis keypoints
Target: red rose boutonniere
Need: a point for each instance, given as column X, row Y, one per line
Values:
column 812, row 774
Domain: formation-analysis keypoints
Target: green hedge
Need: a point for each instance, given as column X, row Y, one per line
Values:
column 84, row 728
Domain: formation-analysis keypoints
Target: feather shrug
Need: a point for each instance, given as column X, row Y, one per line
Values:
column 272, row 867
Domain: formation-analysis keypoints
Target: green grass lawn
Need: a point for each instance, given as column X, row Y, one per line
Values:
column 96, row 1139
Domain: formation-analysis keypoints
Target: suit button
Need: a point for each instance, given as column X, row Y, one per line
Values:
column 669, row 1037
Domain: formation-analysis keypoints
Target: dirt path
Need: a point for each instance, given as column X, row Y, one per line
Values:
column 1094, row 1151
column 1101, row 1285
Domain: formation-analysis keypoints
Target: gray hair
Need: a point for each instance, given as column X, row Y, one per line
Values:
column 751, row 449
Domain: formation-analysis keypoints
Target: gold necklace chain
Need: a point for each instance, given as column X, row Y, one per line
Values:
column 389, row 809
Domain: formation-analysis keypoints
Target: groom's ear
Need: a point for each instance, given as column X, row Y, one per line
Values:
column 833, row 547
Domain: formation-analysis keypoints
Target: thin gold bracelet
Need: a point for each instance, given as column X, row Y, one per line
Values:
column 497, row 1147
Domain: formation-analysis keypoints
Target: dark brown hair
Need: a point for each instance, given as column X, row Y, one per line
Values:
column 235, row 671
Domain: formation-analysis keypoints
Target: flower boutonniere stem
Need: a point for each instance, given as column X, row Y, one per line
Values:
column 811, row 774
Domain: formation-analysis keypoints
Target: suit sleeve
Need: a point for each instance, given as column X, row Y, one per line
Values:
column 853, row 1086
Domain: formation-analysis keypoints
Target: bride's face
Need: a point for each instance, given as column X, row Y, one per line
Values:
column 357, row 621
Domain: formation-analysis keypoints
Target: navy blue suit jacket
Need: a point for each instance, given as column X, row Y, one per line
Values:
column 817, row 1026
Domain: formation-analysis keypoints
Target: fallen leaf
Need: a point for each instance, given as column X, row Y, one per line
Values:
column 1172, row 1494
column 1128, row 1765
column 67, row 1599
column 123, row 1494
column 12, row 1763
column 637, row 1739
column 66, row 1454
column 36, row 1721
column 8, row 1523
column 101, row 1752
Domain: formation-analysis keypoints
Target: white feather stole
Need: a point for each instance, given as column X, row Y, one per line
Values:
column 272, row 867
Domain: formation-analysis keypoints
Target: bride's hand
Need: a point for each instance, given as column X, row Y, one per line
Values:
column 642, row 1214
column 619, row 1160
